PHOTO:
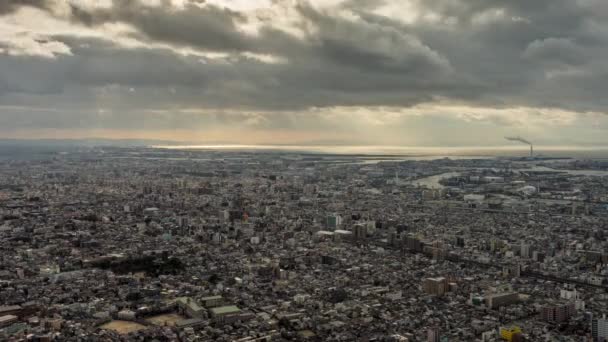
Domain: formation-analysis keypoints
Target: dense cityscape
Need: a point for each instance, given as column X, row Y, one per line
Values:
column 303, row 170
column 146, row 244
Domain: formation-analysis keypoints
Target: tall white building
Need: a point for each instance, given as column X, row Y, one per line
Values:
column 599, row 328
column 525, row 251
column 569, row 293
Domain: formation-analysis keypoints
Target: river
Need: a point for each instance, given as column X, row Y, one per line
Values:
column 432, row 182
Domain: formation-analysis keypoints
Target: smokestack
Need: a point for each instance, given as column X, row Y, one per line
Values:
column 531, row 151
column 522, row 140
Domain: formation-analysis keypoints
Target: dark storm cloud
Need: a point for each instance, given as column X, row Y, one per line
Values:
column 209, row 27
column 503, row 51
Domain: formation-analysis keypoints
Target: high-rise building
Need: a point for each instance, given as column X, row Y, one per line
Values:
column 557, row 313
column 525, row 251
column 538, row 256
column 517, row 337
column 182, row 221
column 511, row 271
column 460, row 241
column 360, row 232
column 599, row 329
column 413, row 244
column 433, row 335
column 333, row 221
column 569, row 293
column 435, row 286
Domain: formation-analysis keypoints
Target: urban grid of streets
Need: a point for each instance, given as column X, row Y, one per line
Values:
column 111, row 244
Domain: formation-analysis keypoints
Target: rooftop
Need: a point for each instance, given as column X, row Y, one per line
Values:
column 5, row 308
column 224, row 310
column 7, row 318
column 189, row 302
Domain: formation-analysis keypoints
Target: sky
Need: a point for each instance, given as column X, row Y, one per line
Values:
column 344, row 72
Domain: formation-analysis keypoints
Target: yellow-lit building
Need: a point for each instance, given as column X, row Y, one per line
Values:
column 507, row 333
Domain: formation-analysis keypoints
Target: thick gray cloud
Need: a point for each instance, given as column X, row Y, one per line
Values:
column 9, row 6
column 209, row 27
column 506, row 50
column 487, row 53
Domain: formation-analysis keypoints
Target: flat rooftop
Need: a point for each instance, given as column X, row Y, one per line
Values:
column 7, row 318
column 5, row 308
column 224, row 310
column 189, row 302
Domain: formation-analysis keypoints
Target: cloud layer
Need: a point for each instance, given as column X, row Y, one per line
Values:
column 386, row 67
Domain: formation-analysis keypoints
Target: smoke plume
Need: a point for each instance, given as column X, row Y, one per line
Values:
column 520, row 139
